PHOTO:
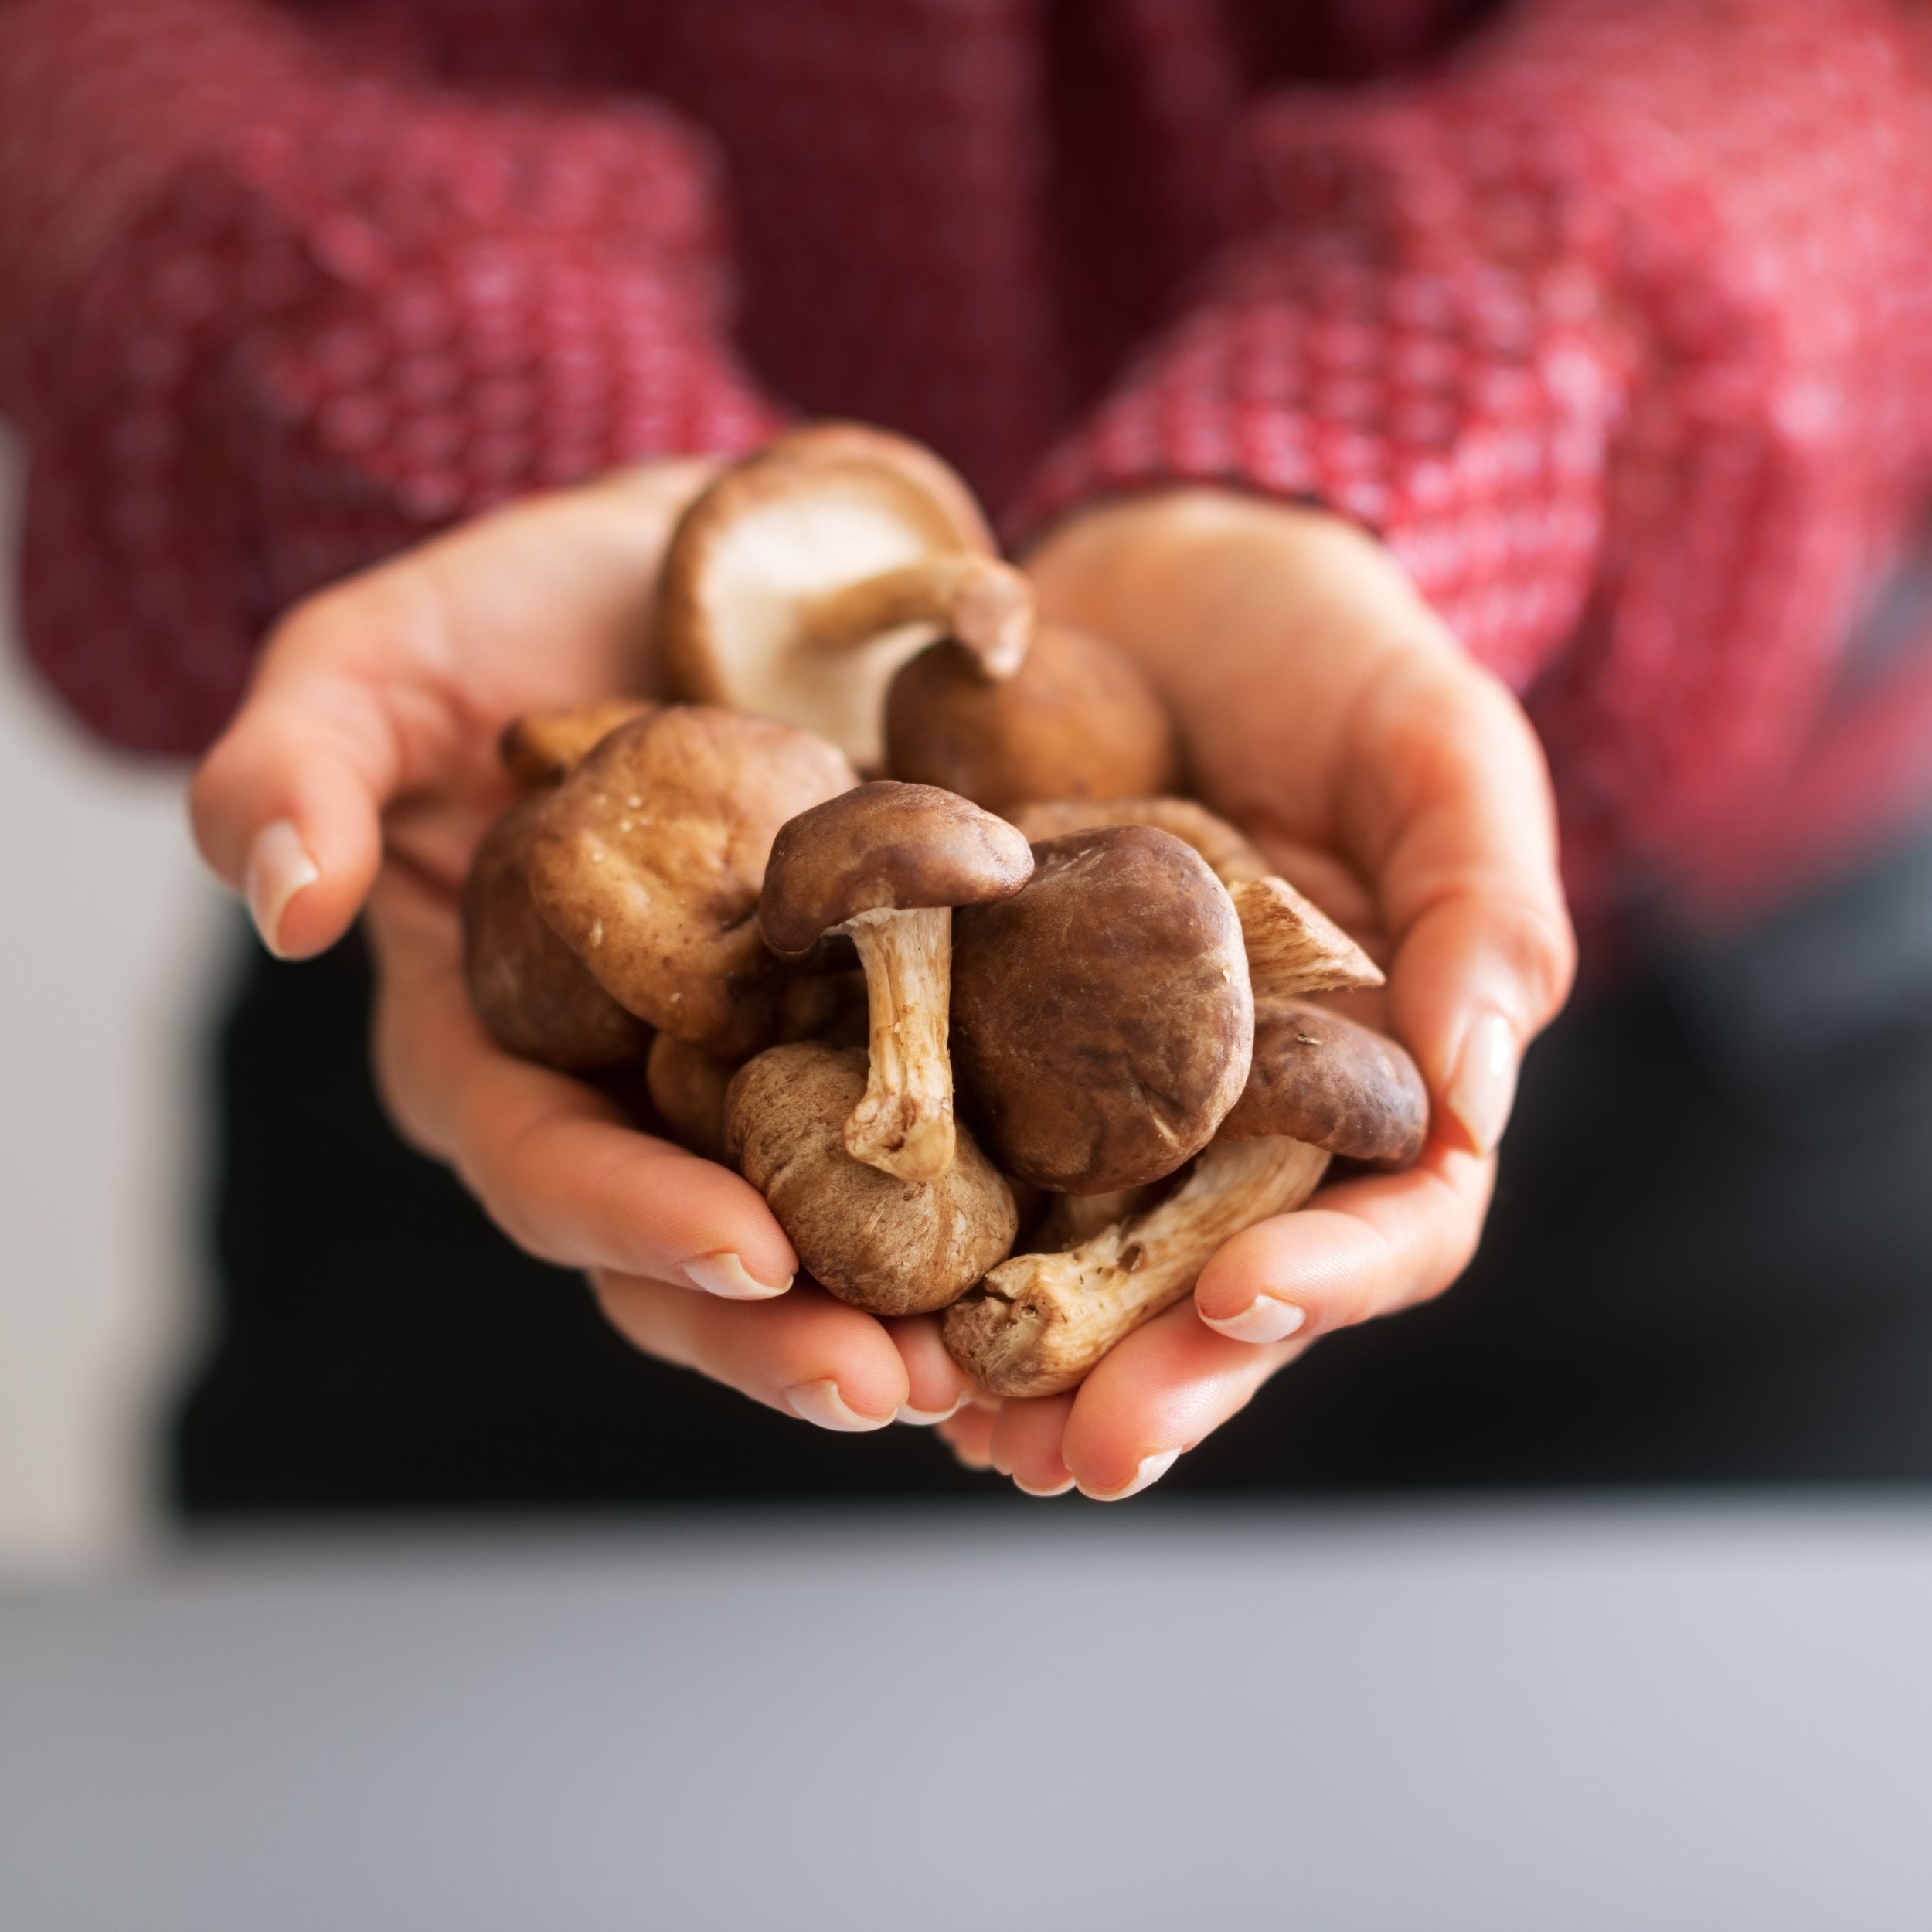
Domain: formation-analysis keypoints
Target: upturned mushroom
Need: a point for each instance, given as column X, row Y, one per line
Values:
column 1075, row 719
column 648, row 858
column 893, row 1246
column 885, row 865
column 1293, row 945
column 802, row 579
column 1102, row 1021
column 535, row 997
column 1321, row 1086
column 543, row 748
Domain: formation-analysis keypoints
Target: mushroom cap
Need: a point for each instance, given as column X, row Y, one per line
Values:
column 1102, row 1018
column 893, row 1246
column 1235, row 858
column 1333, row 1083
column 887, row 847
column 687, row 1087
column 1076, row 720
column 543, row 748
column 534, row 996
column 810, row 514
column 647, row 859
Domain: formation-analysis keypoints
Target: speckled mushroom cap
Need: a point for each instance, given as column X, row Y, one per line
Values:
column 885, row 847
column 1102, row 1021
column 1333, row 1083
column 532, row 992
column 648, row 858
column 816, row 510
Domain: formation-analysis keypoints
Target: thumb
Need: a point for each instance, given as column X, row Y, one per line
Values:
column 286, row 807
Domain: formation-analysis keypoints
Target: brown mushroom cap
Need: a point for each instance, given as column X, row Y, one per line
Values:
column 885, row 847
column 1333, row 1083
column 649, row 857
column 1102, row 1021
column 1076, row 720
column 893, row 1246
column 687, row 1088
column 809, row 517
column 533, row 993
column 543, row 748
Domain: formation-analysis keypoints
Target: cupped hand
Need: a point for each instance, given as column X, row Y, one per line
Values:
column 358, row 775
column 1325, row 709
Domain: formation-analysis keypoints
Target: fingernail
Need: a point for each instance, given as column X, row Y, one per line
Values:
column 975, row 1459
column 1059, row 1489
column 724, row 1275
column 1151, row 1469
column 926, row 1418
column 279, row 867
column 820, row 1404
column 1485, row 1086
column 1264, row 1319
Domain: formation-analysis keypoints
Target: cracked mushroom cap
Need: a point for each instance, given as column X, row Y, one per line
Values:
column 1333, row 1083
column 648, row 859
column 543, row 748
column 893, row 1246
column 535, row 997
column 1076, row 720
column 885, row 847
column 1102, row 1018
column 814, row 514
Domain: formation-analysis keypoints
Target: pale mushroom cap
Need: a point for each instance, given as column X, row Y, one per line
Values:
column 1333, row 1083
column 769, row 536
column 831, row 440
column 1076, row 720
column 649, row 857
column 893, row 1246
column 1103, row 1020
column 532, row 992
column 885, row 847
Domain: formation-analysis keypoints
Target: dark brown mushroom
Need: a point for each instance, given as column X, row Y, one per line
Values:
column 885, row 865
column 1102, row 1021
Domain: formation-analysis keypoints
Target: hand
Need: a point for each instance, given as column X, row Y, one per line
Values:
column 1326, row 710
column 360, row 772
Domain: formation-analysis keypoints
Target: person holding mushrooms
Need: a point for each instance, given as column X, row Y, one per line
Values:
column 1536, row 408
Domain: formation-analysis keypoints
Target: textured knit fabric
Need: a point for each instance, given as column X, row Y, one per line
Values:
column 1614, row 317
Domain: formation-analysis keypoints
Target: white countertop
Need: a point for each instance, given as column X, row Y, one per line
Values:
column 1633, row 1718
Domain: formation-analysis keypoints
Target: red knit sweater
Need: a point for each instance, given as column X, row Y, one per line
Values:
column 1614, row 317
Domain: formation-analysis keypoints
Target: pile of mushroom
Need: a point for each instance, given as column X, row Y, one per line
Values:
column 896, row 904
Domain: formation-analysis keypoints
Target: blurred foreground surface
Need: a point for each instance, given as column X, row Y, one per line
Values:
column 1494, row 1719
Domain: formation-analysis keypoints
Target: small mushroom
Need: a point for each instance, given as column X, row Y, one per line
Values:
column 885, row 865
column 687, row 1087
column 1102, row 1018
column 1293, row 945
column 534, row 996
column 893, row 1246
column 648, row 858
column 1076, row 720
column 1321, row 1085
column 543, row 748
column 1038, row 1323
column 845, row 541
column 1319, row 1077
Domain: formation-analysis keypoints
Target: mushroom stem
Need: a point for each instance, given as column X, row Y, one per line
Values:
column 983, row 605
column 1039, row 1322
column 1293, row 945
column 903, row 1124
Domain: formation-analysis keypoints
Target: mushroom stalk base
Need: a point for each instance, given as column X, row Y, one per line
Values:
column 904, row 1125
column 1039, row 1322
column 983, row 604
